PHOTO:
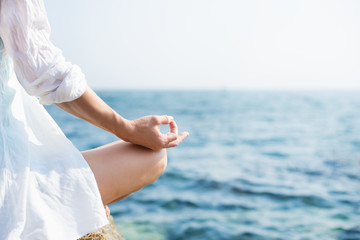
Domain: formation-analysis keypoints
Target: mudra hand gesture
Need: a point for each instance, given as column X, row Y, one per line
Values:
column 145, row 132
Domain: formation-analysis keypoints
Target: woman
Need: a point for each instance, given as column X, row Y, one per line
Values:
column 48, row 189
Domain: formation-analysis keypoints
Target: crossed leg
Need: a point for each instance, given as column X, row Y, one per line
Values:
column 121, row 168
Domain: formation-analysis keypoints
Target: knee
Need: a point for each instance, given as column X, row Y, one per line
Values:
column 156, row 166
column 161, row 156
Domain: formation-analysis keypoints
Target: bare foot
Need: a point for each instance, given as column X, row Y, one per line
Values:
column 107, row 210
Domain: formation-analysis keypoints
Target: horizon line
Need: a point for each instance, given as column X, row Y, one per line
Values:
column 232, row 90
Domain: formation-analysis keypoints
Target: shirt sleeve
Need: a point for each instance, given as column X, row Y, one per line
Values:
column 39, row 66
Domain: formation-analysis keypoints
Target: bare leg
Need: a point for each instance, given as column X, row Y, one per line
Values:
column 121, row 168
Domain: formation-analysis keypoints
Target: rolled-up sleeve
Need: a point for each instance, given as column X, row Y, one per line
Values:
column 39, row 66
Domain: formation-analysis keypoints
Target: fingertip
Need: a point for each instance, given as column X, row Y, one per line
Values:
column 173, row 127
column 165, row 119
column 186, row 134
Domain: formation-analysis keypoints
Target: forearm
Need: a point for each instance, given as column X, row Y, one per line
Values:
column 91, row 108
column 143, row 131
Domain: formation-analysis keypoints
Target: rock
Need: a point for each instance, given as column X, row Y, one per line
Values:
column 108, row 232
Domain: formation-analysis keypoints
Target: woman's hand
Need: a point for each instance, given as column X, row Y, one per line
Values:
column 145, row 132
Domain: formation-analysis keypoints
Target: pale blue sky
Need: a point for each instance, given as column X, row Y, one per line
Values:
column 208, row 44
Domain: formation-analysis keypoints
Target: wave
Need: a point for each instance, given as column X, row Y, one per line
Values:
column 310, row 200
column 350, row 234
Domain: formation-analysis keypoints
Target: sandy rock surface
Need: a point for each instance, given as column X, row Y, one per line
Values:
column 108, row 232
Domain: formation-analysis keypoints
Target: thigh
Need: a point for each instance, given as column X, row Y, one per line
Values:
column 121, row 168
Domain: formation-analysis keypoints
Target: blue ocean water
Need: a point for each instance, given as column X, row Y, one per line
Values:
column 257, row 165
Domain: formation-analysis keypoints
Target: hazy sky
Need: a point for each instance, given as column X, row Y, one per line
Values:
column 211, row 44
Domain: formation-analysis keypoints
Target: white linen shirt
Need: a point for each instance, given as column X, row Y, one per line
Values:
column 47, row 189
column 40, row 66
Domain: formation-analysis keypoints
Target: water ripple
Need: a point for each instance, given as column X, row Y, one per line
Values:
column 257, row 165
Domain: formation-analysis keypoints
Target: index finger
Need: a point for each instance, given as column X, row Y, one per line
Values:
column 164, row 119
column 173, row 127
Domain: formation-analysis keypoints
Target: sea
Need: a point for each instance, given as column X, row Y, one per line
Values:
column 257, row 165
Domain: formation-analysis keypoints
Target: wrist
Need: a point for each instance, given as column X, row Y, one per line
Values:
column 122, row 128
